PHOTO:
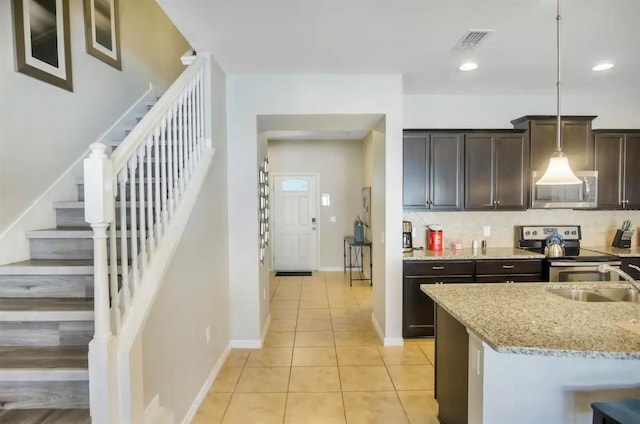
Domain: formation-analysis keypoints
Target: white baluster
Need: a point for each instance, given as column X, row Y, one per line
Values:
column 185, row 139
column 176, row 156
column 163, row 171
column 170, row 153
column 149, row 184
column 113, row 267
column 143, row 205
column 133, row 206
column 202, row 108
column 156, row 179
column 124, row 259
column 192, row 135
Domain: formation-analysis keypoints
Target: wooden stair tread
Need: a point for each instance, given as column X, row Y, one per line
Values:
column 48, row 266
column 45, row 416
column 43, row 357
column 46, row 304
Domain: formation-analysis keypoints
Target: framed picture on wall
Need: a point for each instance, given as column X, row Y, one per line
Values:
column 102, row 31
column 42, row 43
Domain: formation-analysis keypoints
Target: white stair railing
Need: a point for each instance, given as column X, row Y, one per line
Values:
column 130, row 201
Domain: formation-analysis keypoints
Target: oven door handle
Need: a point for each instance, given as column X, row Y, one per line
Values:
column 584, row 264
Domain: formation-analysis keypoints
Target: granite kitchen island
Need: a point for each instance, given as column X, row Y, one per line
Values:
column 531, row 356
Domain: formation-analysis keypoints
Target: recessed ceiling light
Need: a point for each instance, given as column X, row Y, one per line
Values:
column 602, row 67
column 469, row 66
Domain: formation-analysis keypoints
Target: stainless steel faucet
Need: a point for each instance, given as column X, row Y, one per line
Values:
column 606, row 268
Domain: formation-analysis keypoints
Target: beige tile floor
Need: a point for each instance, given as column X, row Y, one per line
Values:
column 323, row 363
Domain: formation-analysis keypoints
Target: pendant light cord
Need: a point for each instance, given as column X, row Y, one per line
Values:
column 559, row 82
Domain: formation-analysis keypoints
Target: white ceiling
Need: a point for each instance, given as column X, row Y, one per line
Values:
column 416, row 38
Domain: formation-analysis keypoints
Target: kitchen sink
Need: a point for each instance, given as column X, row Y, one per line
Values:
column 598, row 294
column 580, row 295
column 620, row 294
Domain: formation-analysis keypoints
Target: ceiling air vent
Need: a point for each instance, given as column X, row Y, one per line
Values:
column 472, row 38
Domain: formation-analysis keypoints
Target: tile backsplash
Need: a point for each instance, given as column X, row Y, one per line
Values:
column 598, row 227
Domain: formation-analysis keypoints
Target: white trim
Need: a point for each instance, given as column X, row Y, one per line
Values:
column 152, row 409
column 272, row 184
column 387, row 341
column 246, row 344
column 40, row 214
column 331, row 269
column 265, row 329
column 206, row 386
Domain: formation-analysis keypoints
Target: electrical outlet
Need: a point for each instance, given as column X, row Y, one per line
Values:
column 207, row 334
column 486, row 230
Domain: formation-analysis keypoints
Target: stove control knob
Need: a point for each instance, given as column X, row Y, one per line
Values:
column 535, row 233
column 526, row 233
column 566, row 233
column 573, row 232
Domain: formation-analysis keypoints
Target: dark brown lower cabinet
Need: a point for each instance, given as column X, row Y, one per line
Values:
column 509, row 270
column 451, row 374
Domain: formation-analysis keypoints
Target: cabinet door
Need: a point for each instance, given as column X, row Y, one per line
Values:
column 632, row 172
column 577, row 143
column 417, row 308
column 414, row 169
column 510, row 172
column 445, row 171
column 478, row 172
column 608, row 159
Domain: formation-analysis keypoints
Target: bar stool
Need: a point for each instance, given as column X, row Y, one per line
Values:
column 621, row 412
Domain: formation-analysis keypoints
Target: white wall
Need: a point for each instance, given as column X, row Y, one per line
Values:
column 441, row 111
column 195, row 291
column 251, row 96
column 44, row 129
column 340, row 166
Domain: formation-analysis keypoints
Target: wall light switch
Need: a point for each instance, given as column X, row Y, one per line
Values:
column 486, row 231
column 332, row 219
column 325, row 199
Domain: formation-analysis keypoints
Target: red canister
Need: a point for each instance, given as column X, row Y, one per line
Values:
column 434, row 241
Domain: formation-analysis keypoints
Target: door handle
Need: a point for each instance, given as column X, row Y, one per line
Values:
column 313, row 228
column 313, row 221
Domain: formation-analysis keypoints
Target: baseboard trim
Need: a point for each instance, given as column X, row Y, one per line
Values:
column 246, row 344
column 331, row 269
column 267, row 324
column 206, row 386
column 387, row 341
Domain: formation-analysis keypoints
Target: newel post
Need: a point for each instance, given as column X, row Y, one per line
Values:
column 99, row 213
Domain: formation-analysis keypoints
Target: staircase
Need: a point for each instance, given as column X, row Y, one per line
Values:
column 47, row 320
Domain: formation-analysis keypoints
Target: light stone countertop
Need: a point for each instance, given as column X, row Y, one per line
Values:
column 631, row 252
column 466, row 254
column 526, row 319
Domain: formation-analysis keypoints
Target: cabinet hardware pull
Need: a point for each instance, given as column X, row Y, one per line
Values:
column 437, row 267
column 508, row 266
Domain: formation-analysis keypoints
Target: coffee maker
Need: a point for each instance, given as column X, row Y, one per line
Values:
column 407, row 241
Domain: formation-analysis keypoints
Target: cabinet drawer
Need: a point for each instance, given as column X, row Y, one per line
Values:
column 503, row 278
column 438, row 268
column 509, row 267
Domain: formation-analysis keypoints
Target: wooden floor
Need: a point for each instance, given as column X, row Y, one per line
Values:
column 44, row 416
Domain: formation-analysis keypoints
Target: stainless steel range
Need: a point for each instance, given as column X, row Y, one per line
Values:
column 576, row 264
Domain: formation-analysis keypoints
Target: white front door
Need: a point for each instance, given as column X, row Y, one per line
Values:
column 295, row 223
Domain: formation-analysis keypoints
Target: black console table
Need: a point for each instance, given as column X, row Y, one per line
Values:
column 356, row 258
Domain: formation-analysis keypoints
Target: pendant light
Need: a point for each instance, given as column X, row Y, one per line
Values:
column 559, row 172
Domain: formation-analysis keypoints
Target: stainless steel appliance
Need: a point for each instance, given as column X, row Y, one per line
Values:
column 576, row 196
column 407, row 238
column 577, row 264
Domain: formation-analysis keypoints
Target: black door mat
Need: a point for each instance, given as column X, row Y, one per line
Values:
column 293, row 274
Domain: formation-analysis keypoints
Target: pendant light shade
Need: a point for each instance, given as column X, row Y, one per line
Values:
column 559, row 172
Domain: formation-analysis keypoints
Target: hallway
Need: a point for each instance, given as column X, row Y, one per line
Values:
column 323, row 363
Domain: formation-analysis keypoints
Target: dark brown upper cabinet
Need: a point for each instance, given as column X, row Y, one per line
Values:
column 432, row 170
column 577, row 140
column 496, row 171
column 615, row 153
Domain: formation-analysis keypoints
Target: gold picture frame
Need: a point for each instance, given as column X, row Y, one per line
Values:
column 42, row 40
column 102, row 31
